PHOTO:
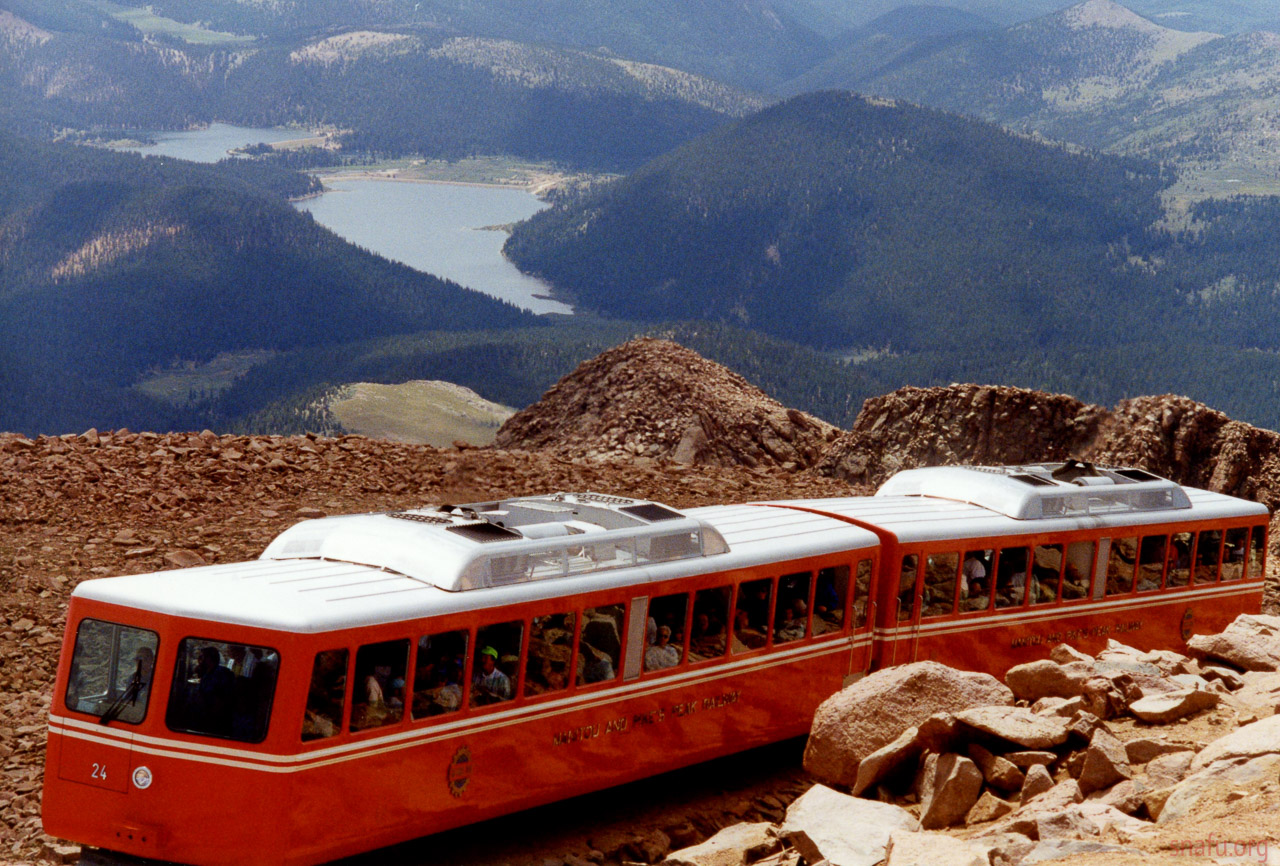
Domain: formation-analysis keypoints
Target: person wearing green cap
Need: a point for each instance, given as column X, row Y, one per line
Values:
column 489, row 685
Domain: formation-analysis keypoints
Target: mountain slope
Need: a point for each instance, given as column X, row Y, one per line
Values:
column 113, row 263
column 1102, row 76
column 835, row 221
column 400, row 92
column 749, row 43
column 895, row 38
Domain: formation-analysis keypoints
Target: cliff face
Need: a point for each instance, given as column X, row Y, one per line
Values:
column 653, row 398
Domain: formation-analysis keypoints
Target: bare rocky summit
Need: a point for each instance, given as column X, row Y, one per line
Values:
column 657, row 399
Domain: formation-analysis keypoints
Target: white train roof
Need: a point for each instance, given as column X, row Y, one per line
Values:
column 956, row 502
column 343, row 572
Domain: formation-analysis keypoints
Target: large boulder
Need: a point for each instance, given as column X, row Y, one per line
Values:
column 874, row 711
column 1251, row 741
column 1217, row 783
column 823, row 824
column 1251, row 642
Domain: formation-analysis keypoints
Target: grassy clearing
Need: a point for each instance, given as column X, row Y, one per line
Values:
column 179, row 383
column 487, row 170
column 145, row 21
column 420, row 412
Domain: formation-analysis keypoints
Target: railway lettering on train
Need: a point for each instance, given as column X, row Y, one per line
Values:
column 361, row 655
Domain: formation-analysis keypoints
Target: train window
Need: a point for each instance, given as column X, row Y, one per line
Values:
column 1011, row 577
column 907, row 587
column 1079, row 568
column 438, row 673
column 600, row 647
column 1151, row 560
column 1179, row 570
column 1257, row 546
column 1121, row 563
column 496, row 663
column 222, row 689
column 791, row 613
column 975, row 587
column 550, row 652
column 829, row 597
column 111, row 671
column 1233, row 553
column 664, row 548
column 1208, row 554
column 378, row 696
column 751, row 617
column 940, row 570
column 710, row 618
column 326, row 696
column 664, row 633
column 1046, row 573
column 862, row 593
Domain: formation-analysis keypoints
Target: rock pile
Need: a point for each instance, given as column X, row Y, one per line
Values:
column 654, row 398
column 960, row 424
column 978, row 424
column 1083, row 763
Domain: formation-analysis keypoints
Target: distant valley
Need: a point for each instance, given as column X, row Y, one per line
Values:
column 825, row 245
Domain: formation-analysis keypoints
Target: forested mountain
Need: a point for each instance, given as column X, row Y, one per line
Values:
column 1099, row 75
column 749, row 43
column 1221, row 16
column 396, row 92
column 112, row 263
column 944, row 248
column 895, row 38
column 835, row 220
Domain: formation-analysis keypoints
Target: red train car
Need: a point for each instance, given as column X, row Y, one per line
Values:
column 375, row 678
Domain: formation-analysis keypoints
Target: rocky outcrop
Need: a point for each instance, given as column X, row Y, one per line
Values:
column 872, row 713
column 960, row 424
column 654, row 398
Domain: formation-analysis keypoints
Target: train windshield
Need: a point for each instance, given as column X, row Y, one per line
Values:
column 223, row 689
column 111, row 671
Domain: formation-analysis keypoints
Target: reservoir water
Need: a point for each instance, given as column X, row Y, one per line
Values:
column 212, row 143
column 436, row 228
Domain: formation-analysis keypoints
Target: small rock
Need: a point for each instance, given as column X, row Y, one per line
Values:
column 988, row 808
column 949, row 787
column 1105, row 762
column 1037, row 782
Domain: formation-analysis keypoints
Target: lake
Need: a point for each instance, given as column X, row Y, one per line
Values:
column 437, row 228
column 432, row 227
column 211, row 143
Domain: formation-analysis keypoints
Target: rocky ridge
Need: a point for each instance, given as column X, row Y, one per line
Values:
column 654, row 398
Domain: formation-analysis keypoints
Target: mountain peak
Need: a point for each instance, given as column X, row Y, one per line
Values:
column 1107, row 13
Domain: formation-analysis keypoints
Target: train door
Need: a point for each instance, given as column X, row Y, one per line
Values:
column 906, row 633
column 862, row 617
